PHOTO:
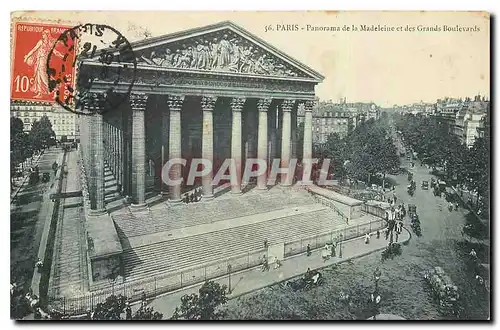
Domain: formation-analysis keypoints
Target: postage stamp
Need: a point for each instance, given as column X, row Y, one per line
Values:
column 32, row 44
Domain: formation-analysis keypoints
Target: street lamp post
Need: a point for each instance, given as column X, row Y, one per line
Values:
column 229, row 278
column 340, row 245
column 375, row 296
column 376, row 275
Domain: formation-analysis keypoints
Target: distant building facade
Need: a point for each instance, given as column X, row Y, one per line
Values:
column 340, row 118
column 64, row 123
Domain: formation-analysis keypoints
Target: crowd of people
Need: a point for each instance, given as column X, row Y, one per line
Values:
column 193, row 196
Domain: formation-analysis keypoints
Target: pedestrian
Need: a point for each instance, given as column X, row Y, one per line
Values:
column 276, row 263
column 367, row 238
column 308, row 249
column 397, row 235
column 333, row 249
column 395, row 198
column 378, row 234
column 128, row 312
column 265, row 263
column 386, row 234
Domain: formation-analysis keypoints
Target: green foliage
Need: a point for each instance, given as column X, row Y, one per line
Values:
column 41, row 134
column 371, row 150
column 111, row 308
column 147, row 313
column 392, row 251
column 19, row 147
column 438, row 146
column 114, row 306
column 204, row 305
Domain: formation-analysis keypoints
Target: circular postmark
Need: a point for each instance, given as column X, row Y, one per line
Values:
column 91, row 59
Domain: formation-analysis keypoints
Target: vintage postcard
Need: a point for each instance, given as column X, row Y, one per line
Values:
column 250, row 165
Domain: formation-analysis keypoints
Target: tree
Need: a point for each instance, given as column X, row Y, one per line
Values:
column 19, row 146
column 110, row 309
column 478, row 168
column 388, row 158
column 204, row 305
column 41, row 134
column 114, row 306
column 334, row 150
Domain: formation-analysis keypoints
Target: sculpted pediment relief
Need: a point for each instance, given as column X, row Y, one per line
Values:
column 221, row 50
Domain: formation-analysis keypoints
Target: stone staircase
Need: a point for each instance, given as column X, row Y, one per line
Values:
column 179, row 254
column 111, row 188
column 69, row 271
column 161, row 217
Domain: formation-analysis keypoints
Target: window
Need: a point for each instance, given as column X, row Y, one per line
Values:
column 55, row 121
column 26, row 114
column 26, row 120
column 18, row 114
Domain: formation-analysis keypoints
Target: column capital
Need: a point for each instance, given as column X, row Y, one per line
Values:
column 306, row 105
column 237, row 103
column 175, row 102
column 287, row 105
column 94, row 102
column 138, row 101
column 208, row 103
column 263, row 104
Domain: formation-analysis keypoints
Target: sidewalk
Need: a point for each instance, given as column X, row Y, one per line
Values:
column 22, row 181
column 45, row 218
column 254, row 279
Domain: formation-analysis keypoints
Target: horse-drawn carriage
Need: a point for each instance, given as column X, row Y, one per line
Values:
column 309, row 280
column 410, row 176
column 412, row 210
column 415, row 221
column 411, row 188
column 439, row 188
column 444, row 290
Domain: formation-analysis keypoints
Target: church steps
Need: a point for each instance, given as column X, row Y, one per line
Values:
column 181, row 256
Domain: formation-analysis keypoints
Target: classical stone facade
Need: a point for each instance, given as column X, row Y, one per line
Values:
column 215, row 92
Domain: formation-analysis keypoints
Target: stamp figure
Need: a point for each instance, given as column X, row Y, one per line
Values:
column 30, row 81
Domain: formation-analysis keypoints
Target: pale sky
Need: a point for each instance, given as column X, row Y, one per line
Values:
column 384, row 67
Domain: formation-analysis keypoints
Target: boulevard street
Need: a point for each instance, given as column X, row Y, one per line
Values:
column 28, row 216
column 402, row 287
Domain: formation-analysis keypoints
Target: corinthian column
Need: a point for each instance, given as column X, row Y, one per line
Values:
column 207, row 152
column 262, row 107
column 307, row 153
column 286, row 131
column 138, row 104
column 95, row 106
column 174, row 146
column 236, row 107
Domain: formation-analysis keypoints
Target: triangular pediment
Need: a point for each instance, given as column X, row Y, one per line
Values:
column 222, row 47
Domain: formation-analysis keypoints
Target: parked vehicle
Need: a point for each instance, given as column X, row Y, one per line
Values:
column 412, row 209
column 45, row 177
column 425, row 185
column 442, row 186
